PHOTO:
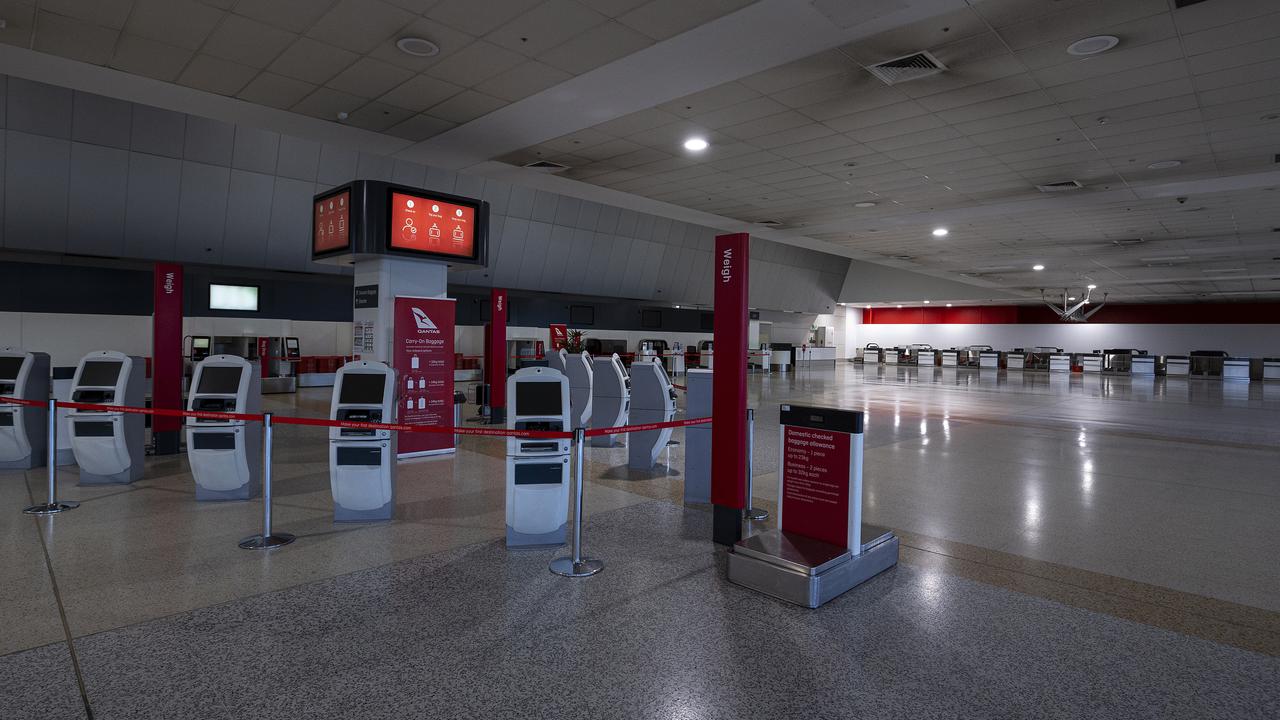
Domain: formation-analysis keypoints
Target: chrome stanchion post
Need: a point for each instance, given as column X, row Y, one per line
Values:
column 752, row 513
column 577, row 566
column 267, row 539
column 51, row 460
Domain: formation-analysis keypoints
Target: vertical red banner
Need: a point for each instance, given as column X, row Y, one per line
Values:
column 496, row 362
column 815, row 483
column 729, row 381
column 264, row 356
column 559, row 336
column 166, row 354
column 422, row 355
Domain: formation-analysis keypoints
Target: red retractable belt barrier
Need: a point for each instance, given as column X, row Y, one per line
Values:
column 201, row 414
column 679, row 387
column 593, row 432
column 491, row 432
column 20, row 401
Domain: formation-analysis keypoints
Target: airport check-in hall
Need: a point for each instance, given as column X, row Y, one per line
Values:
column 640, row 359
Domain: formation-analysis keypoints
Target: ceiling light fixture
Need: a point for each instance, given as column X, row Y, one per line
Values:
column 1164, row 164
column 1093, row 287
column 940, row 232
column 926, row 302
column 418, row 47
column 899, row 307
column 948, row 304
column 696, row 144
column 1093, row 45
column 864, row 204
column 1037, row 267
column 1071, row 299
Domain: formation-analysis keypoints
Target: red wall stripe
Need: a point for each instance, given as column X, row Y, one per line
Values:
column 1163, row 314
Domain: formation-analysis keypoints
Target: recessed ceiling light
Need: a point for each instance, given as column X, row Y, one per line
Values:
column 342, row 115
column 696, row 144
column 1164, row 164
column 864, row 204
column 940, row 232
column 1037, row 267
column 1093, row 287
column 899, row 306
column 418, row 47
column 851, row 163
column 1093, row 45
column 948, row 304
column 1071, row 299
column 926, row 302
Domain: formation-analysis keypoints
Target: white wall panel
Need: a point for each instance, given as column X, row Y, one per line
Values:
column 1243, row 340
column 102, row 121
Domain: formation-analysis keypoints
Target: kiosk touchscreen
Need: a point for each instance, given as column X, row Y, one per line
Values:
column 225, row 455
column 610, row 397
column 108, row 445
column 581, row 381
column 537, row 468
column 653, row 400
column 23, row 432
column 362, row 463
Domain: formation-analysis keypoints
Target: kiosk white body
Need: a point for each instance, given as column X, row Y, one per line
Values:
column 610, row 398
column 677, row 359
column 23, row 428
column 557, row 359
column 362, row 462
column 581, row 382
column 653, row 400
column 108, row 445
column 225, row 455
column 537, row 498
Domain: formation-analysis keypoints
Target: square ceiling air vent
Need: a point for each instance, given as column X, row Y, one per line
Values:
column 907, row 68
column 546, row 166
column 1064, row 186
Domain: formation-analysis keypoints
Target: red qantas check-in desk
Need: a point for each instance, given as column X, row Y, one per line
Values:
column 821, row 547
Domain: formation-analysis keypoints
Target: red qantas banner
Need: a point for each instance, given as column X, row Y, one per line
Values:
column 422, row 355
column 166, row 346
column 729, row 381
column 264, row 354
column 559, row 336
column 495, row 364
column 815, row 484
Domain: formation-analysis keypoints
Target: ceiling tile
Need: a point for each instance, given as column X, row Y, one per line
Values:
column 475, row 63
column 75, row 39
column 292, row 15
column 183, row 23
column 551, row 23
column 276, row 91
column 613, row 8
column 20, row 18
column 359, row 25
column 637, row 122
column 596, row 48
column 369, row 78
column 420, row 127
column 523, row 80
column 378, row 116
column 216, row 75
column 801, row 72
column 420, row 92
column 312, row 61
column 107, row 13
column 247, row 42
column 661, row 19
column 478, row 17
column 921, row 35
column 466, row 106
column 152, row 59
column 325, row 103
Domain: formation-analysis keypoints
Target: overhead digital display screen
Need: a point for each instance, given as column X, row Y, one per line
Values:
column 233, row 297
column 331, row 223
column 424, row 225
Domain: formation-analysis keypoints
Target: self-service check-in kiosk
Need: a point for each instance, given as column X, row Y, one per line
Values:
column 557, row 359
column 581, row 381
column 537, row 468
column 820, row 548
column 225, row 455
column 653, row 400
column 23, row 429
column 362, row 463
column 610, row 397
column 108, row 445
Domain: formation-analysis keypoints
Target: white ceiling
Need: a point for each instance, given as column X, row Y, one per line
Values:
column 800, row 130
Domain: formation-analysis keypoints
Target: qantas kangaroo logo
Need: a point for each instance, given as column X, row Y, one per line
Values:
column 422, row 321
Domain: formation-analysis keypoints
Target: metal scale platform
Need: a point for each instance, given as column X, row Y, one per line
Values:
column 806, row 571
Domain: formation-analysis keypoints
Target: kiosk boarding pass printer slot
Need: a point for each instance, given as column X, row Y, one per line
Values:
column 610, row 398
column 653, row 400
column 581, row 383
column 362, row 463
column 537, row 468
column 108, row 445
column 225, row 455
column 23, row 429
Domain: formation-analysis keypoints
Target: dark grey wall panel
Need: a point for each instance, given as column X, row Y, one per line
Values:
column 337, row 166
column 627, row 223
column 510, row 252
column 567, row 211
column 202, row 213
column 594, row 281
column 209, row 141
column 535, row 255
column 521, row 202
column 39, row 109
column 557, row 257
column 469, row 186
column 35, row 191
column 255, row 150
column 299, row 159
column 287, row 248
column 375, row 167
column 249, row 202
column 409, row 173
column 4, row 98
column 608, row 221
column 102, row 121
column 588, row 216
column 444, row 181
column 151, row 215
column 158, row 132
column 99, row 184
column 497, row 194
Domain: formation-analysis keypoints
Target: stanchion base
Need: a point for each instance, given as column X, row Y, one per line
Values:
column 258, row 542
column 51, row 508
column 755, row 514
column 567, row 567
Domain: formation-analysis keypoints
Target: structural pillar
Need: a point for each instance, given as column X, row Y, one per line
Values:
column 166, row 356
column 495, row 362
column 729, row 387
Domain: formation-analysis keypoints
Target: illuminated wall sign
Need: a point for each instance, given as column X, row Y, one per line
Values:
column 425, row 225
column 331, row 223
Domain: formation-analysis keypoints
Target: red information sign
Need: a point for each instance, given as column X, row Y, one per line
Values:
column 816, row 484
column 331, row 223
column 423, row 359
column 559, row 336
column 425, row 225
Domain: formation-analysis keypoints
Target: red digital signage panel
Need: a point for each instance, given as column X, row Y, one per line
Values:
column 425, row 225
column 331, row 223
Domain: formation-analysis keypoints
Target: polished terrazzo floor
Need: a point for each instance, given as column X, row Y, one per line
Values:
column 1072, row 547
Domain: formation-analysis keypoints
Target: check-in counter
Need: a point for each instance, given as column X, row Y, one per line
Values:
column 871, row 354
column 1143, row 365
column 893, row 356
column 952, row 358
column 815, row 354
column 1092, row 362
column 1120, row 360
column 973, row 358
column 1271, row 368
column 1015, row 360
column 991, row 359
column 1207, row 363
column 1235, row 368
column 1060, row 362
column 1177, row 365
column 928, row 358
